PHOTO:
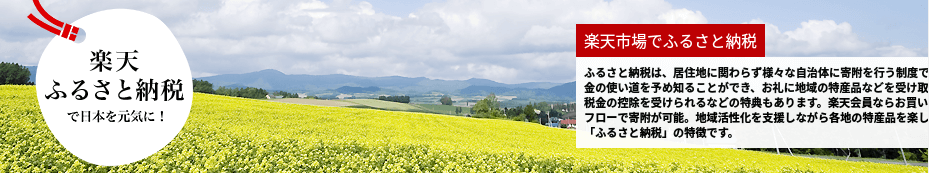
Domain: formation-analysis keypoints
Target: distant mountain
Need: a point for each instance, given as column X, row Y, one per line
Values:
column 235, row 86
column 490, row 83
column 565, row 91
column 484, row 90
column 275, row 80
column 32, row 69
column 392, row 85
column 348, row 89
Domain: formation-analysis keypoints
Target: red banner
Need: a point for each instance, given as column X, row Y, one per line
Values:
column 670, row 40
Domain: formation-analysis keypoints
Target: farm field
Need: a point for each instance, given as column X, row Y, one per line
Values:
column 228, row 134
column 444, row 109
column 380, row 104
column 315, row 102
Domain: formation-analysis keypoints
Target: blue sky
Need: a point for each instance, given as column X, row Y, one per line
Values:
column 397, row 8
column 897, row 22
column 509, row 41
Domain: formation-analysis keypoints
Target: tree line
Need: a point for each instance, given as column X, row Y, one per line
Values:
column 247, row 92
column 14, row 74
column 548, row 111
column 400, row 99
column 285, row 94
column 203, row 86
column 489, row 107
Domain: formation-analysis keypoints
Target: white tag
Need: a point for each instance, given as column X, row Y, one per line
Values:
column 137, row 127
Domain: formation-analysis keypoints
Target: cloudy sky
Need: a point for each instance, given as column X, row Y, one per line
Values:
column 506, row 41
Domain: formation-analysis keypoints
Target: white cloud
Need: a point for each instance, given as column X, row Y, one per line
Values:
column 683, row 16
column 235, row 18
column 312, row 5
column 510, row 41
column 202, row 74
column 899, row 51
column 364, row 8
column 506, row 41
column 26, row 52
column 492, row 71
column 826, row 38
column 553, row 35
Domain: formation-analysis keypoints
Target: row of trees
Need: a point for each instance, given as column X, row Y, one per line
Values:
column 565, row 107
column 203, row 86
column 286, row 94
column 560, row 108
column 549, row 111
column 489, row 107
column 248, row 92
column 401, row 99
column 15, row 74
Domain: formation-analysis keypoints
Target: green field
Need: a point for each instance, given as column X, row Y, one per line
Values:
column 386, row 105
column 228, row 134
column 444, row 109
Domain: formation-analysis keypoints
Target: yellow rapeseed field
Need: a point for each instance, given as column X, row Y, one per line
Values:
column 227, row 134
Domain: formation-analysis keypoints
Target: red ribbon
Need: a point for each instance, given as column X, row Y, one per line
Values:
column 67, row 31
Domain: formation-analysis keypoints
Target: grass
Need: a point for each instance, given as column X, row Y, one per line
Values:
column 315, row 102
column 386, row 105
column 444, row 109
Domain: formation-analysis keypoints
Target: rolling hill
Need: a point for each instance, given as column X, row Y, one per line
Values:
column 228, row 134
column 393, row 85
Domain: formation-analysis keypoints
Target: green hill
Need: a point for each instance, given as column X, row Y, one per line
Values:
column 227, row 134
column 386, row 105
